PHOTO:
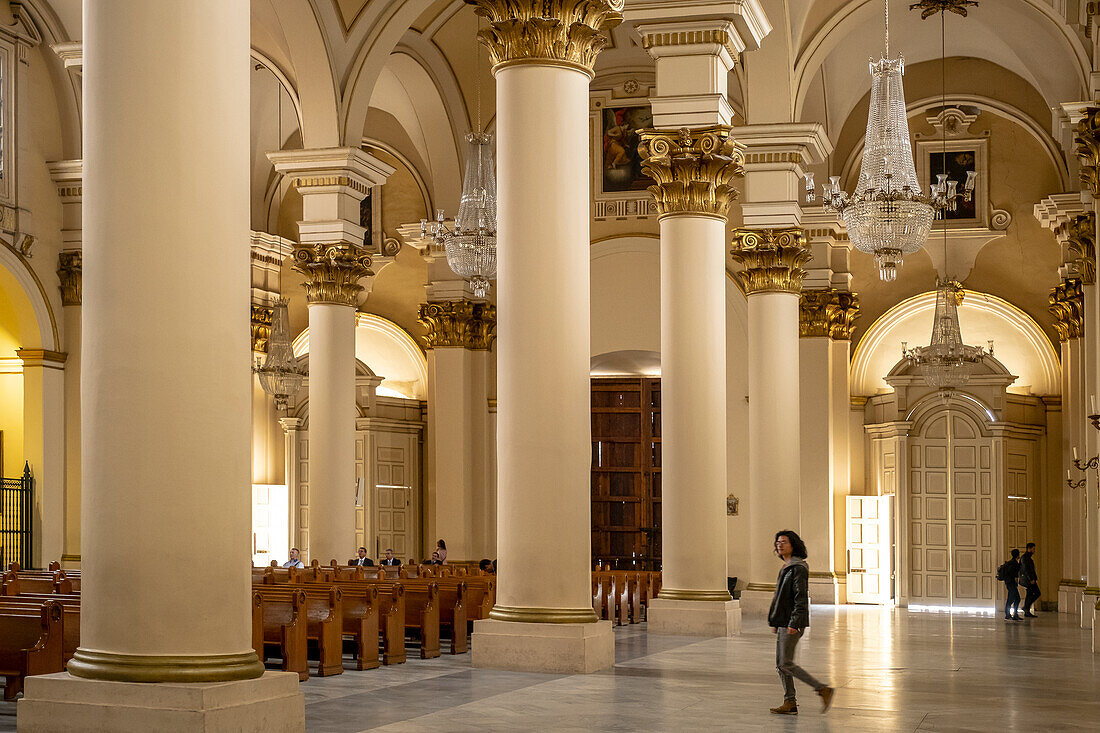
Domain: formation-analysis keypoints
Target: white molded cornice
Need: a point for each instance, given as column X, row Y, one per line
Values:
column 71, row 55
column 1058, row 208
column 807, row 138
column 747, row 16
column 353, row 163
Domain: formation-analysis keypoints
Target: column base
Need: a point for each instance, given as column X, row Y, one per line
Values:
column 828, row 589
column 756, row 600
column 693, row 618
column 1089, row 598
column 535, row 647
column 1069, row 597
column 59, row 703
column 1096, row 628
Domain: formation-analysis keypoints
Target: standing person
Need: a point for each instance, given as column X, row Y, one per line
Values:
column 1029, row 579
column 295, row 560
column 1009, row 571
column 441, row 548
column 789, row 616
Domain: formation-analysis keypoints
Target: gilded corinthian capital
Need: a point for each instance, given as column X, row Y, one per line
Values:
column 693, row 169
column 564, row 32
column 333, row 272
column 459, row 324
column 1067, row 305
column 70, row 266
column 828, row 312
column 773, row 259
column 1087, row 137
column 1080, row 234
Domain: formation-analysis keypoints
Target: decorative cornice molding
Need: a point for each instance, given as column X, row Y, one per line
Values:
column 1067, row 306
column 42, row 357
column 1080, row 234
column 548, row 32
column 69, row 269
column 773, row 259
column 332, row 272
column 827, row 312
column 262, row 317
column 1087, row 138
column 693, row 169
column 459, row 324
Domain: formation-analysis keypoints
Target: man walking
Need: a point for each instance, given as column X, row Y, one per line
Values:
column 1029, row 579
column 1011, row 572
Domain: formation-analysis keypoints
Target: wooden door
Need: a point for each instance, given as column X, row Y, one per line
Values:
column 392, row 502
column 869, row 549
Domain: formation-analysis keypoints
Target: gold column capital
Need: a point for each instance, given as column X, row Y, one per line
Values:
column 333, row 272
column 547, row 32
column 1087, row 139
column 459, row 324
column 1080, row 234
column 693, row 168
column 262, row 316
column 828, row 312
column 773, row 259
column 1067, row 306
column 70, row 265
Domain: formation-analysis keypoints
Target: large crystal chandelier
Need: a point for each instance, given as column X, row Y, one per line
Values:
column 472, row 246
column 279, row 373
column 887, row 215
column 947, row 362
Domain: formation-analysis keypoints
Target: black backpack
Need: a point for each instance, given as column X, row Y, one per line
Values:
column 1002, row 572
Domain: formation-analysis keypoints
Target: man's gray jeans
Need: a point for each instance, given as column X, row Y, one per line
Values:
column 785, row 644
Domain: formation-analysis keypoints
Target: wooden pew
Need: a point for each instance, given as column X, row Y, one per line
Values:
column 30, row 644
column 323, row 620
column 71, row 610
column 360, row 609
column 279, row 618
column 15, row 581
column 421, row 610
column 453, row 611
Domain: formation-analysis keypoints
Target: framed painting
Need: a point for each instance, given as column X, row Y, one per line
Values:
column 620, row 161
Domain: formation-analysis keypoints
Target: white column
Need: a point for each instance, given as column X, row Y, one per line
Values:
column 69, row 273
column 772, row 279
column 543, row 618
column 44, row 448
column 331, row 255
column 166, row 470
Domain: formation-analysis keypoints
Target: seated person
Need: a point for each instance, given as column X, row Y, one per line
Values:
column 295, row 560
column 389, row 559
column 486, row 565
column 361, row 559
column 434, row 560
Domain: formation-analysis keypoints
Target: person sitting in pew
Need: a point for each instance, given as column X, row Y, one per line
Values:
column 434, row 560
column 486, row 565
column 389, row 559
column 295, row 560
column 361, row 559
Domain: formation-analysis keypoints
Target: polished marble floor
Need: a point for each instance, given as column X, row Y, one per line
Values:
column 894, row 670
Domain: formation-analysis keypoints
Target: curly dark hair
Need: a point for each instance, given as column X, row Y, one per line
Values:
column 798, row 547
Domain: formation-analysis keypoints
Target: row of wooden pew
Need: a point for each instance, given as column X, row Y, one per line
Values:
column 623, row 596
column 376, row 612
column 39, row 623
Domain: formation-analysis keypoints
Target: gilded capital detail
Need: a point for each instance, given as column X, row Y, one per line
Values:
column 333, row 272
column 69, row 268
column 1080, row 234
column 555, row 32
column 828, row 312
column 459, row 324
column 693, row 169
column 1067, row 306
column 1087, row 138
column 773, row 259
column 262, row 316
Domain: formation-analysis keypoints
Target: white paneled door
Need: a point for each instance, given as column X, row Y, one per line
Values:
column 952, row 514
column 869, row 549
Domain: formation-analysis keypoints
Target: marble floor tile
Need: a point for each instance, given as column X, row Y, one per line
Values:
column 894, row 670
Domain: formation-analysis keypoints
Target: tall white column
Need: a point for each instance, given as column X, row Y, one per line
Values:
column 694, row 172
column 332, row 258
column 543, row 618
column 166, row 471
column 69, row 272
column 772, row 279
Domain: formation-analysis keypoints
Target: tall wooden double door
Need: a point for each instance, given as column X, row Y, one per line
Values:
column 953, row 510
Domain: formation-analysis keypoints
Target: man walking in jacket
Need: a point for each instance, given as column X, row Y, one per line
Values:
column 1029, row 579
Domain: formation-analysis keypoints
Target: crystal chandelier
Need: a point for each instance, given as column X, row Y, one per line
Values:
column 887, row 215
column 279, row 373
column 947, row 362
column 472, row 246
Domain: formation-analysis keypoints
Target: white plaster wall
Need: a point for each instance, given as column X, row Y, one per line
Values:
column 626, row 295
